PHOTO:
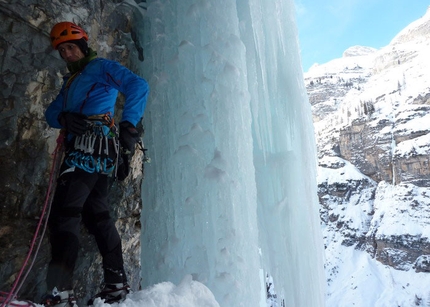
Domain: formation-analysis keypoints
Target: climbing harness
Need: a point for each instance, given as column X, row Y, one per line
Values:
column 9, row 299
column 97, row 150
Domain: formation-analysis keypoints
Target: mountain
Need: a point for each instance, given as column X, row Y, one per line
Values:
column 372, row 125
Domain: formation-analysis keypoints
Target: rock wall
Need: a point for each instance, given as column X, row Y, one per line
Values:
column 371, row 147
column 360, row 144
column 30, row 77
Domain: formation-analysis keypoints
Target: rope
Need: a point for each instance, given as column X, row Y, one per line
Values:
column 58, row 152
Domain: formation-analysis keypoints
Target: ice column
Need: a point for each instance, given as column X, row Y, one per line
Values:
column 231, row 187
column 284, row 153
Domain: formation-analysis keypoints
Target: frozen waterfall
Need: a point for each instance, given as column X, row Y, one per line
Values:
column 230, row 194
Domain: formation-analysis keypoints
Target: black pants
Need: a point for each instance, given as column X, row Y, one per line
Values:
column 81, row 195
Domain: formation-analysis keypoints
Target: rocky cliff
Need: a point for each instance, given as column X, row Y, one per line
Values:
column 30, row 76
column 371, row 117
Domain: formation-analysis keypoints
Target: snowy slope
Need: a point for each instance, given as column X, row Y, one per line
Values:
column 376, row 231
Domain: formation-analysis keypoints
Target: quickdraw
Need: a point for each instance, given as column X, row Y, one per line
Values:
column 96, row 150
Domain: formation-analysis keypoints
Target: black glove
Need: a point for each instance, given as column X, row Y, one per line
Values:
column 128, row 137
column 74, row 123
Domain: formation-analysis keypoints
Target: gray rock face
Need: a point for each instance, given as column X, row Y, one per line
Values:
column 30, row 77
column 368, row 144
column 358, row 144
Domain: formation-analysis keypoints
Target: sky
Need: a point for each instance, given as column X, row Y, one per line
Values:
column 327, row 28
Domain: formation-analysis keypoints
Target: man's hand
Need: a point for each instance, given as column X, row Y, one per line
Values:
column 74, row 123
column 128, row 137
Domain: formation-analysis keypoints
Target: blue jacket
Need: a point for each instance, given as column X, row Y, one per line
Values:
column 94, row 91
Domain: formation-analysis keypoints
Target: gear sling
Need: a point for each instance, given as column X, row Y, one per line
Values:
column 97, row 150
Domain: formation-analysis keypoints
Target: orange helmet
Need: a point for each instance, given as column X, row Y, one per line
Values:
column 66, row 31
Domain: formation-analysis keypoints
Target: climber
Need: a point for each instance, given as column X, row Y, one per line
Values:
column 95, row 150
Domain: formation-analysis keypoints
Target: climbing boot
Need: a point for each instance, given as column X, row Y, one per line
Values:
column 112, row 293
column 57, row 298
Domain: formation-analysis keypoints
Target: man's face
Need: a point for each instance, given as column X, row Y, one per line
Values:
column 70, row 52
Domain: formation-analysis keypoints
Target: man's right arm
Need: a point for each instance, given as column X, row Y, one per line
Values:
column 54, row 110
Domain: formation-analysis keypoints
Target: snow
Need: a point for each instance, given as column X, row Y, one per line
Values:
column 402, row 209
column 414, row 26
column 337, row 170
column 361, row 281
column 188, row 293
column 417, row 146
column 358, row 51
column 355, row 278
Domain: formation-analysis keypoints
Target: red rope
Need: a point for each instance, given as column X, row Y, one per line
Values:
column 58, row 152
